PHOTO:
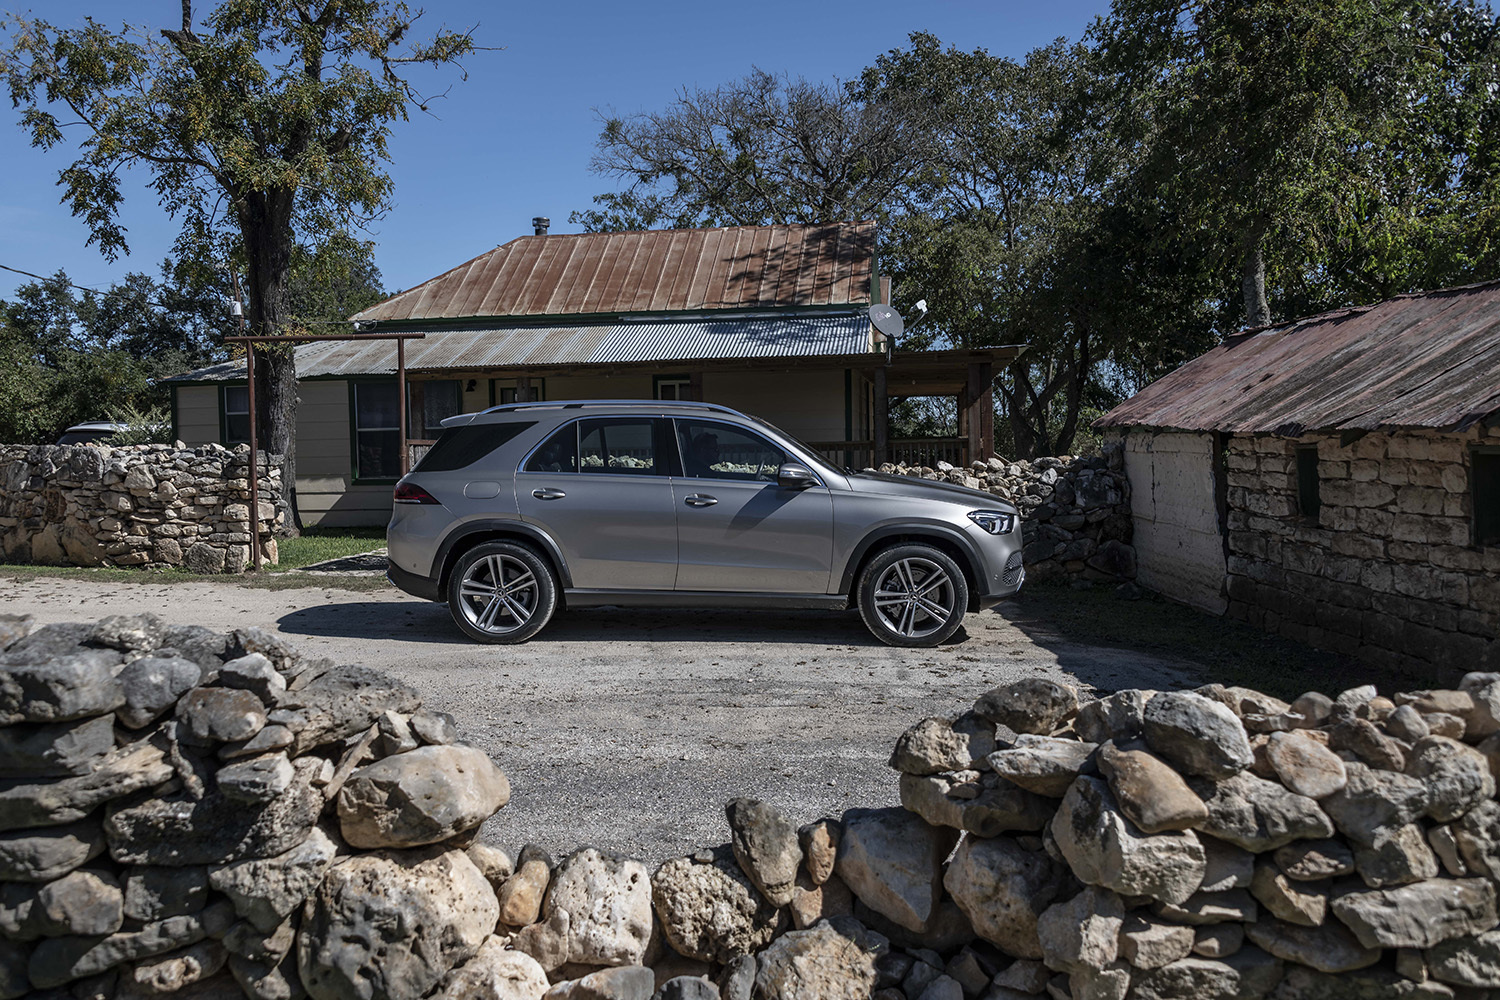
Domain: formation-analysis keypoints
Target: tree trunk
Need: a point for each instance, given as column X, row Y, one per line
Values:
column 265, row 226
column 1253, row 278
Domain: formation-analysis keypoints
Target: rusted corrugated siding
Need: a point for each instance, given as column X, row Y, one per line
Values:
column 739, row 267
column 1428, row 361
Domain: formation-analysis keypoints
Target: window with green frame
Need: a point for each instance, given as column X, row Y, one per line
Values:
column 234, row 414
column 374, row 410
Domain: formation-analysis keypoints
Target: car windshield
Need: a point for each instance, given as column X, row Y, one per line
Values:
column 819, row 463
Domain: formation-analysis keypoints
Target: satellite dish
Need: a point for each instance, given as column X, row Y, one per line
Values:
column 887, row 320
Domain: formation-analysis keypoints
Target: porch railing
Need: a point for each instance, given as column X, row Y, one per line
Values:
column 902, row 451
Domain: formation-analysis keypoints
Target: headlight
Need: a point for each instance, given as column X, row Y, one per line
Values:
column 996, row 522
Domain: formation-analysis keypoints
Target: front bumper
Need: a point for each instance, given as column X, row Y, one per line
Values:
column 1002, row 582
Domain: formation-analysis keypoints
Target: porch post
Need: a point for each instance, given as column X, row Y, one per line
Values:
column 523, row 389
column 966, row 428
column 882, row 420
column 979, row 407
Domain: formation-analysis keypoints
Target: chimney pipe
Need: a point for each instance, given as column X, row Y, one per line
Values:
column 540, row 224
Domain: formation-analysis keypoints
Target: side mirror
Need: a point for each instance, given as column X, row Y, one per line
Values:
column 795, row 477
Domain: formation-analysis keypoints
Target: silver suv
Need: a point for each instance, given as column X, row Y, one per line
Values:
column 522, row 508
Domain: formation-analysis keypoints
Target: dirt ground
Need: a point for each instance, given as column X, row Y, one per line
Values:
column 629, row 729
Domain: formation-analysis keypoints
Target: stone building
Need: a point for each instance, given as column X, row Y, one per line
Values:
column 1335, row 480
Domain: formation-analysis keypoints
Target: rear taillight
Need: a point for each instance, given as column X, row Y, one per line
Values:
column 412, row 493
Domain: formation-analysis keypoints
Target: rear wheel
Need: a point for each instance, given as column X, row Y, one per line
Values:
column 502, row 592
column 912, row 595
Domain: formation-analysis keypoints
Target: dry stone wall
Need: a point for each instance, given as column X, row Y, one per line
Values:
column 201, row 814
column 144, row 505
column 1387, row 571
column 1075, row 511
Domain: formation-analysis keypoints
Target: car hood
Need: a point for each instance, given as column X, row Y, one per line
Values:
column 907, row 486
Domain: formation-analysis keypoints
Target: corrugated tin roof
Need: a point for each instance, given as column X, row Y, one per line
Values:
column 521, row 346
column 679, row 270
column 1429, row 360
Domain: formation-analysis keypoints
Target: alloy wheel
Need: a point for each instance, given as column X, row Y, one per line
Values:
column 914, row 597
column 498, row 594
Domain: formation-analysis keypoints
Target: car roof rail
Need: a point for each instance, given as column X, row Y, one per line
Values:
column 639, row 404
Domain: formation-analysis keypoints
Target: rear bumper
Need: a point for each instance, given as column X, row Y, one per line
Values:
column 414, row 584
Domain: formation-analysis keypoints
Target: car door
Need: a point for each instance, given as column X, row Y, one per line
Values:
column 600, row 486
column 737, row 530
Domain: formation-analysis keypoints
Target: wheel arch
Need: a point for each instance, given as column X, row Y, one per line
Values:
column 952, row 544
column 477, row 532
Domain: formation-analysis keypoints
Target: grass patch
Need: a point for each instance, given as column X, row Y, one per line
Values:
column 1230, row 652
column 317, row 545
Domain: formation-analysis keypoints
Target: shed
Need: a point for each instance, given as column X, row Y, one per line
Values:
column 1335, row 479
column 772, row 320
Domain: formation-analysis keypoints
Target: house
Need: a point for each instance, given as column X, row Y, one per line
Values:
column 772, row 320
column 1334, row 479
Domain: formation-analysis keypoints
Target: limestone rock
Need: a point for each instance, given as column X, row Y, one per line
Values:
column 1374, row 983
column 1260, row 815
column 259, row 779
column 1457, row 776
column 1477, row 835
column 1248, row 974
column 221, row 714
column 1150, row 794
column 627, row 983
column 54, row 750
column 1305, row 766
column 892, row 860
column 254, row 672
column 1373, row 801
column 1119, row 717
column 1219, row 940
column 1043, row 765
column 1406, row 724
column 1211, row 908
column 58, row 689
column 1225, row 866
column 434, row 727
column 1032, row 705
column 393, row 924
column 152, row 685
column 811, row 903
column 44, row 855
column 712, row 912
column 820, row 848
column 1361, row 738
column 1311, row 860
column 266, row 890
column 1196, row 734
column 608, row 900
column 521, row 895
column 935, row 745
column 833, row 961
column 1329, row 948
column 422, row 797
column 153, row 894
column 1398, row 857
column 176, row 970
column 1003, row 888
column 14, row 628
column 1467, row 961
column 984, row 804
column 59, row 960
column 342, row 702
column 58, row 801
column 1082, row 932
column 180, row 830
column 1150, row 944
column 765, row 845
column 687, row 988
column 82, row 902
column 1419, row 915
column 546, row 941
column 1302, row 903
column 1104, row 848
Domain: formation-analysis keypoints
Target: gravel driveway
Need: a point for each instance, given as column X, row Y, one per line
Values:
column 629, row 729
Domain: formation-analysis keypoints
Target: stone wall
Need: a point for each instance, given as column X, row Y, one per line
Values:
column 144, row 505
column 214, row 815
column 1075, row 511
column 1387, row 572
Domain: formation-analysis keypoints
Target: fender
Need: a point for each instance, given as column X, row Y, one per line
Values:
column 916, row 533
column 492, row 526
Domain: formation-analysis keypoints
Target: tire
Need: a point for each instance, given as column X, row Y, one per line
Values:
column 889, row 610
column 485, row 615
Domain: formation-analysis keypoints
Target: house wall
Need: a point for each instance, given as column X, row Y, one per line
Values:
column 1388, row 572
column 198, row 414
column 807, row 404
column 327, row 494
column 1178, row 544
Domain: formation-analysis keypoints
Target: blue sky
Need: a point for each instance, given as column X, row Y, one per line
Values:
column 515, row 140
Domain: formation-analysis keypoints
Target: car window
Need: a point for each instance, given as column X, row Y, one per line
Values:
column 461, row 447
column 617, row 445
column 720, row 451
column 559, row 453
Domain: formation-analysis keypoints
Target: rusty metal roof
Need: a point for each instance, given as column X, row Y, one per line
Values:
column 679, row 270
column 617, row 343
column 1429, row 360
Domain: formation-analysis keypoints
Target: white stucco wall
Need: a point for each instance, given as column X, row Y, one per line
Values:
column 1178, row 546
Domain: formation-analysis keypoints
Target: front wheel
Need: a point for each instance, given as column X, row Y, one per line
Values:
column 912, row 595
column 501, row 592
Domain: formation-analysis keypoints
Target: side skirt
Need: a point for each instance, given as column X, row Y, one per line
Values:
column 701, row 599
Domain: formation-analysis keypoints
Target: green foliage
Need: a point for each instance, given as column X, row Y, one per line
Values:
column 152, row 425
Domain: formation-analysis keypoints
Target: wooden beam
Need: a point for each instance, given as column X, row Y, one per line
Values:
column 977, row 404
column 882, row 427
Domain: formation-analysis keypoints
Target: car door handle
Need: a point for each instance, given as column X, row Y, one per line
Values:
column 701, row 500
column 548, row 494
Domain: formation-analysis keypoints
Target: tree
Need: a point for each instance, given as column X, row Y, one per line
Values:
column 1330, row 152
column 265, row 131
column 762, row 150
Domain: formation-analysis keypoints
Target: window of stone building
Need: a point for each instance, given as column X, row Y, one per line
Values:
column 1484, row 477
column 1309, row 502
